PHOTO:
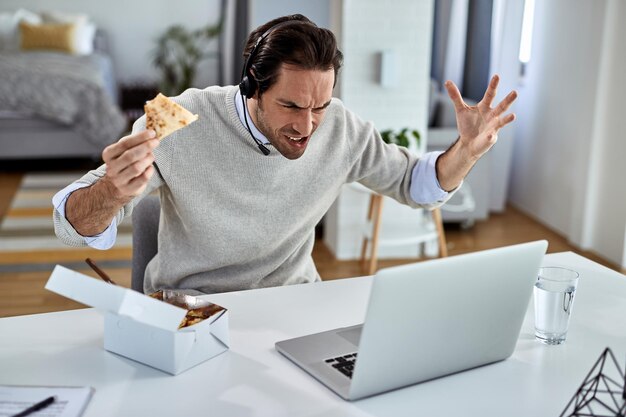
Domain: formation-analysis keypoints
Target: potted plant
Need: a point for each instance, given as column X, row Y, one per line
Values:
column 177, row 54
column 401, row 137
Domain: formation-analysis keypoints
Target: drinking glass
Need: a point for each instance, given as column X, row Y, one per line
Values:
column 554, row 299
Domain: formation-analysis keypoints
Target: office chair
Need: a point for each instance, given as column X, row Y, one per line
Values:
column 432, row 229
column 145, row 218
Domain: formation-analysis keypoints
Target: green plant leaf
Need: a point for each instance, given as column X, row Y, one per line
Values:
column 177, row 53
column 401, row 137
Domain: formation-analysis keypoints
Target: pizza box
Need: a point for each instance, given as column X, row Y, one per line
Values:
column 143, row 328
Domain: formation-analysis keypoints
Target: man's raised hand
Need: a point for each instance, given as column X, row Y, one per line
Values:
column 478, row 125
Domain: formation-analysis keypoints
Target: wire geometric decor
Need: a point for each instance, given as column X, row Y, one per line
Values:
column 602, row 393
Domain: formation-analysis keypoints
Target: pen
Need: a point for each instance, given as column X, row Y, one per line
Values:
column 36, row 407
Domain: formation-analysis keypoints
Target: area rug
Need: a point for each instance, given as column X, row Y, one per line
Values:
column 27, row 239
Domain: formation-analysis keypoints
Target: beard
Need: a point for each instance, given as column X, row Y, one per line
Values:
column 277, row 137
column 262, row 123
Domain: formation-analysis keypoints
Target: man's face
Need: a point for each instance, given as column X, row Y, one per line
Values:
column 290, row 110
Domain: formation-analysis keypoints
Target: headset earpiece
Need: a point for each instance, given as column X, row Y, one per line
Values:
column 248, row 85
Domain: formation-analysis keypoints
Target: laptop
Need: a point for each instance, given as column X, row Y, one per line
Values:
column 426, row 320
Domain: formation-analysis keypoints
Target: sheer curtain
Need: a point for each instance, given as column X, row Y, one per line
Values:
column 462, row 44
column 478, row 49
column 473, row 39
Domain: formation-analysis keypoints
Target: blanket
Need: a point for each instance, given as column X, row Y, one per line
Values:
column 72, row 90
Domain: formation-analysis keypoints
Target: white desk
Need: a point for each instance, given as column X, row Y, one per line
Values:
column 252, row 379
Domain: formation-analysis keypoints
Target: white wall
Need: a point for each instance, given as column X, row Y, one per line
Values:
column 403, row 27
column 556, row 110
column 604, row 225
column 568, row 166
column 367, row 27
column 132, row 27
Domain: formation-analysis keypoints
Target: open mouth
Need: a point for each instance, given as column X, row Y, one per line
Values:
column 297, row 141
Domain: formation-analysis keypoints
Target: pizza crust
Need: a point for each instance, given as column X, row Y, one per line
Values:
column 165, row 117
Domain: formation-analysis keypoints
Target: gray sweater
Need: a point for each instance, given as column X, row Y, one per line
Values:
column 232, row 218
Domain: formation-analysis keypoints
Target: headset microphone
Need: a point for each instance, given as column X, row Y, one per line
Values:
column 264, row 149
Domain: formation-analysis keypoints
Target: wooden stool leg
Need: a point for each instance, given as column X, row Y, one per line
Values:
column 441, row 235
column 376, row 220
column 364, row 244
column 363, row 259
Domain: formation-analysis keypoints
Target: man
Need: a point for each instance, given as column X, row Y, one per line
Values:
column 243, row 187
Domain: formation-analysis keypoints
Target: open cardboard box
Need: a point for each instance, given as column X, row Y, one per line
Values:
column 143, row 328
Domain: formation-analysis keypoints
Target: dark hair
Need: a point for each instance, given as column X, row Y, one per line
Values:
column 301, row 43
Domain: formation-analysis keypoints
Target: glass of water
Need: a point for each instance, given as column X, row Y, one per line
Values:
column 554, row 299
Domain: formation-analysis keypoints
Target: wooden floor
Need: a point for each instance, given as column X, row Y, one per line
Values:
column 24, row 293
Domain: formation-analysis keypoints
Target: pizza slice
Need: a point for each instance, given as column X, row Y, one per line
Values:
column 165, row 116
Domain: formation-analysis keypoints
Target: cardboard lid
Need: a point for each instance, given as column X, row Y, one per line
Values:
column 113, row 298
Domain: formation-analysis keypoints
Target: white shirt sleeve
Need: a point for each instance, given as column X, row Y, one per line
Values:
column 425, row 188
column 104, row 240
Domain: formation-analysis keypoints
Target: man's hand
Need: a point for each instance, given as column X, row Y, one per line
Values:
column 129, row 164
column 129, row 167
column 478, row 128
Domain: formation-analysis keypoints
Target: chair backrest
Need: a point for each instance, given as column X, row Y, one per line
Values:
column 371, row 236
column 146, row 215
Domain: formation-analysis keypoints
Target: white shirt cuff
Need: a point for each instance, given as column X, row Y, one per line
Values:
column 104, row 240
column 425, row 188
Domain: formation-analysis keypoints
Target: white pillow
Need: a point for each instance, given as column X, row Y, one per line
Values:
column 27, row 16
column 61, row 17
column 84, row 36
column 9, row 24
column 84, row 33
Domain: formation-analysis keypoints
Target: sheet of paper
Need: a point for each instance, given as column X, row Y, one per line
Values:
column 69, row 402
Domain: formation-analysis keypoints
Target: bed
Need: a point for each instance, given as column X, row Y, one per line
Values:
column 58, row 105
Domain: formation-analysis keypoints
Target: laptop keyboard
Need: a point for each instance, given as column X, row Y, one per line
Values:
column 344, row 363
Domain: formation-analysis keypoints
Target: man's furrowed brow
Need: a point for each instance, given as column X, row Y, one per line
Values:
column 290, row 103
column 323, row 106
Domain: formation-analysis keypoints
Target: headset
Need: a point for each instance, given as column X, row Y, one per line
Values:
column 248, row 85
